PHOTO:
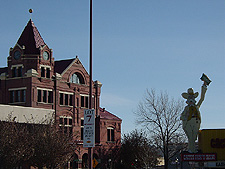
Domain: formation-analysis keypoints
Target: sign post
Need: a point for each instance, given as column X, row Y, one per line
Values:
column 90, row 154
column 89, row 128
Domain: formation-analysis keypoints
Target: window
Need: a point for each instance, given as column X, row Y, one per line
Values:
column 17, row 95
column 61, row 120
column 75, row 79
column 20, row 71
column 17, row 71
column 65, row 121
column 12, row 96
column 39, row 96
column 42, row 72
column 70, row 121
column 77, row 102
column 82, row 101
column 50, row 97
column 65, row 124
column 61, row 98
column 45, row 71
column 82, row 129
column 71, row 100
column 44, row 95
column 110, row 134
column 66, row 98
column 23, row 95
column 48, row 73
column 86, row 102
column 14, row 72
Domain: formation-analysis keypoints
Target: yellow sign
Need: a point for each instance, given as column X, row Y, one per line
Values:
column 95, row 163
column 212, row 141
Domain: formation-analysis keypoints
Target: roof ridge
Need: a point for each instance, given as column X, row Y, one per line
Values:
column 102, row 110
column 61, row 65
column 37, row 36
column 31, row 38
column 65, row 60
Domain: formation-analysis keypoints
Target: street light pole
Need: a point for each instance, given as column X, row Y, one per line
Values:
column 90, row 154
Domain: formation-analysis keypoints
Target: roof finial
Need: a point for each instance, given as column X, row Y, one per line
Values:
column 30, row 11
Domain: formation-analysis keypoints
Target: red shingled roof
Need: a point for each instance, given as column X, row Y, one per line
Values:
column 31, row 39
column 107, row 115
column 61, row 65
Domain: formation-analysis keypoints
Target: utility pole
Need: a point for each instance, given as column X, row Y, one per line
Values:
column 90, row 154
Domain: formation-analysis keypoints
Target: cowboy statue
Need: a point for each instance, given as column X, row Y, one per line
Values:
column 191, row 117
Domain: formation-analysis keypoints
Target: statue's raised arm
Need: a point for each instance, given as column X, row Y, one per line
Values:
column 203, row 91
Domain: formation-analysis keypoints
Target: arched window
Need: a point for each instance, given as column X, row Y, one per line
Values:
column 110, row 134
column 76, row 78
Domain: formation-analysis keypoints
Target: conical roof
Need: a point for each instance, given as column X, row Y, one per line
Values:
column 31, row 39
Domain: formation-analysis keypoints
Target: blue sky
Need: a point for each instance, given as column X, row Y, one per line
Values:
column 137, row 44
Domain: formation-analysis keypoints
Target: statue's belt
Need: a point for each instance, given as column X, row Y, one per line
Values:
column 193, row 113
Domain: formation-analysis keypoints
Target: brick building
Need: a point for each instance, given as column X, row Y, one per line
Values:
column 33, row 78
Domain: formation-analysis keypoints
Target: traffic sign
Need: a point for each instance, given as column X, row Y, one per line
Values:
column 95, row 163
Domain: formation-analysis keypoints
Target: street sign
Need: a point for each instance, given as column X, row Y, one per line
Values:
column 89, row 128
column 95, row 163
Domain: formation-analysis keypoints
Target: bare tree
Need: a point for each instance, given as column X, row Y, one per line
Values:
column 15, row 146
column 109, row 155
column 38, row 145
column 161, row 116
column 137, row 151
column 51, row 147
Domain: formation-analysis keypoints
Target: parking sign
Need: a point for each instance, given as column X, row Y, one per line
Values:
column 89, row 128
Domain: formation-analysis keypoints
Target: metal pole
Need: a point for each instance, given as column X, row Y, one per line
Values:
column 90, row 82
column 90, row 155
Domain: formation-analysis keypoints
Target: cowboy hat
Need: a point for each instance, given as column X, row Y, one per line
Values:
column 190, row 92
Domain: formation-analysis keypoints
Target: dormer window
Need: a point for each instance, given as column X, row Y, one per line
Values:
column 20, row 71
column 14, row 72
column 42, row 72
column 45, row 71
column 76, row 78
column 17, row 70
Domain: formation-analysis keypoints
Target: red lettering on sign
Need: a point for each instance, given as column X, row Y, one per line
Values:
column 199, row 157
